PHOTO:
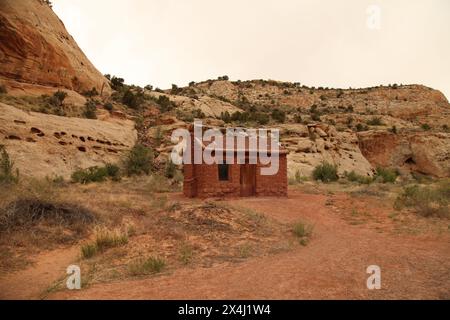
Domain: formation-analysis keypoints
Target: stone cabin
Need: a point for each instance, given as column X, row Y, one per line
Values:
column 234, row 180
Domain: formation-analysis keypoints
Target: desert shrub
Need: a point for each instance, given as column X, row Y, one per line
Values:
column 425, row 127
column 199, row 114
column 3, row 89
column 278, row 115
column 23, row 213
column 261, row 118
column 90, row 93
column 175, row 90
column 225, row 78
column 57, row 99
column 386, row 175
column 326, row 172
column 376, row 121
column 298, row 118
column 139, row 160
column 117, row 83
column 113, row 171
column 354, row 177
column 147, row 266
column 170, row 169
column 7, row 174
column 96, row 174
column 394, row 129
column 105, row 239
column 108, row 106
column 89, row 250
column 426, row 200
column 360, row 127
column 132, row 100
column 225, row 116
column 90, row 110
column 164, row 104
column 303, row 232
column 445, row 127
column 315, row 116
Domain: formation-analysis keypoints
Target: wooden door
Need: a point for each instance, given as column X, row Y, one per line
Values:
column 248, row 179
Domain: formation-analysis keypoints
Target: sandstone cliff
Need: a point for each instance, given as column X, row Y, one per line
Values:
column 46, row 145
column 35, row 48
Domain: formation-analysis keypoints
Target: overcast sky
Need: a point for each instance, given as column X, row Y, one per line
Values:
column 347, row 43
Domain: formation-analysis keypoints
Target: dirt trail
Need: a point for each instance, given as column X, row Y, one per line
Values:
column 33, row 281
column 332, row 265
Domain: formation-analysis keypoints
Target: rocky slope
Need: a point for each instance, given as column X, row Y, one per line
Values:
column 46, row 145
column 35, row 48
column 399, row 126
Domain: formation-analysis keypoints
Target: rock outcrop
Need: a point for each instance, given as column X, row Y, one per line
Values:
column 35, row 48
column 423, row 152
column 314, row 144
column 46, row 145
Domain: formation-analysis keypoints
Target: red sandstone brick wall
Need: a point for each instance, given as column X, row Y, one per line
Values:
column 203, row 181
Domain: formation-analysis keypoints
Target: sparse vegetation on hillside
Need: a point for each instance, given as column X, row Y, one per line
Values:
column 90, row 110
column 96, row 174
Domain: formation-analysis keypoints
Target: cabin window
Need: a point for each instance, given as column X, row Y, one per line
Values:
column 224, row 172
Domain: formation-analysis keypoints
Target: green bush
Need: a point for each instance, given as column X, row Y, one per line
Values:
column 170, row 169
column 132, row 100
column 113, row 171
column 108, row 106
column 386, row 175
column 117, row 83
column 6, row 168
column 225, row 116
column 90, row 110
column 59, row 97
column 165, row 104
column 354, row 177
column 90, row 93
column 278, row 115
column 96, row 174
column 360, row 127
column 139, row 160
column 325, row 172
column 3, row 89
column 426, row 126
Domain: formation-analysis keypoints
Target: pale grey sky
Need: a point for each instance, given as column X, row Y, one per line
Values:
column 314, row 42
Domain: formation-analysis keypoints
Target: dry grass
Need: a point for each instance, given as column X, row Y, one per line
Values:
column 426, row 200
column 147, row 266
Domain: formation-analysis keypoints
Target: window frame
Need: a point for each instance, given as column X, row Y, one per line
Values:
column 219, row 176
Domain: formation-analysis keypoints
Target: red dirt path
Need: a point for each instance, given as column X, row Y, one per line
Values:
column 332, row 266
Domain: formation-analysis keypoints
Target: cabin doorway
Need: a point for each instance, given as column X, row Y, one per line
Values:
column 248, row 180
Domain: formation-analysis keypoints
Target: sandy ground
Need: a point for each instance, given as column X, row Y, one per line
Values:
column 332, row 266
